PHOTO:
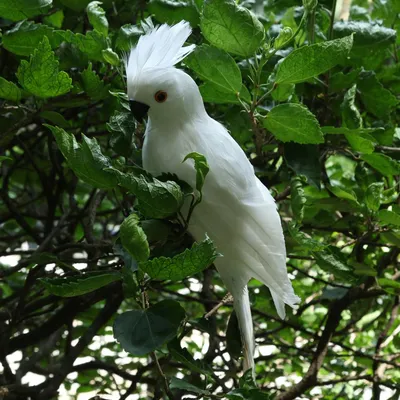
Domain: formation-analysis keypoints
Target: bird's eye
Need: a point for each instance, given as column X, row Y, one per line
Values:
column 160, row 96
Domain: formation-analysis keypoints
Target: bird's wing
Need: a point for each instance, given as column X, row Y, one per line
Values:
column 240, row 212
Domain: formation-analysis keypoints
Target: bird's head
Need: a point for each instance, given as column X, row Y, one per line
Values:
column 155, row 86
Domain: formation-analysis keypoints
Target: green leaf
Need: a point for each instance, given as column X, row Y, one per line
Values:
column 97, row 17
column 92, row 43
column 55, row 19
column 294, row 122
column 181, row 384
column 216, row 66
column 78, row 285
column 134, row 239
column 231, row 27
column 9, row 90
column 298, row 198
column 111, row 57
column 283, row 92
column 389, row 285
column 373, row 196
column 40, row 76
column 333, row 261
column 56, row 118
column 191, row 261
column 201, row 167
column 5, row 158
column 305, row 241
column 85, row 159
column 342, row 130
column 303, row 159
column 123, row 126
column 143, row 331
column 183, row 356
column 128, row 35
column 377, row 100
column 93, row 85
column 156, row 199
column 340, row 81
column 171, row 12
column 343, row 193
column 387, row 217
column 382, row 163
column 310, row 61
column 350, row 114
column 25, row 37
column 212, row 94
column 368, row 37
column 17, row 10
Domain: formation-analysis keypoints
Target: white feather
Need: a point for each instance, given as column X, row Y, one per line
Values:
column 237, row 210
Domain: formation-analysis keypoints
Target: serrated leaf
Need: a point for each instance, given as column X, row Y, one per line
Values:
column 212, row 94
column 181, row 384
column 294, row 122
column 25, row 37
column 134, row 239
column 298, row 198
column 9, row 90
column 123, row 126
column 333, row 261
column 201, row 167
column 342, row 130
column 373, row 196
column 85, row 159
column 171, row 12
column 97, row 17
column 78, row 285
column 377, row 100
column 40, row 76
column 310, row 61
column 368, row 37
column 350, row 115
column 340, row 81
column 17, row 10
column 381, row 162
column 156, row 199
column 111, row 57
column 216, row 66
column 191, row 261
column 305, row 241
column 93, row 85
column 92, row 43
column 55, row 19
column 231, row 27
column 387, row 217
column 143, row 331
column 128, row 35
column 304, row 160
column 182, row 355
column 343, row 193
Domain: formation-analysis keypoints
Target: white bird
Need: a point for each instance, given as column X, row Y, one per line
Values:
column 237, row 211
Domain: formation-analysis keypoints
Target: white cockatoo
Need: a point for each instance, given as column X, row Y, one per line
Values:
column 237, row 211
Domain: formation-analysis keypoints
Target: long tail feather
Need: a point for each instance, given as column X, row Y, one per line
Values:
column 243, row 313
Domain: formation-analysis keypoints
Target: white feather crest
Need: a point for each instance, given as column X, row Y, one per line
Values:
column 161, row 47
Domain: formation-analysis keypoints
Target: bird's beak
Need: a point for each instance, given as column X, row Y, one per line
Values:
column 139, row 110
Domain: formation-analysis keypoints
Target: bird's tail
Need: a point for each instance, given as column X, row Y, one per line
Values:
column 241, row 304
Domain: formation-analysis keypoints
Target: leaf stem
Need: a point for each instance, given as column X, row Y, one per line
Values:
column 162, row 375
column 333, row 12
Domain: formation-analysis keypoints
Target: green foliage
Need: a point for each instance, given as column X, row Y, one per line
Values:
column 88, row 239
column 41, row 76
column 134, row 239
column 78, row 285
column 185, row 264
column 231, row 27
column 294, row 122
column 143, row 331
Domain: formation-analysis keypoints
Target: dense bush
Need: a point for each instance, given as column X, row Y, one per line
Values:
column 92, row 248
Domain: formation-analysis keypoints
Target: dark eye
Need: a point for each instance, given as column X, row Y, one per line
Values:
column 160, row 96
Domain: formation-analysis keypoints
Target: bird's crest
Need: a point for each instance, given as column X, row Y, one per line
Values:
column 160, row 47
